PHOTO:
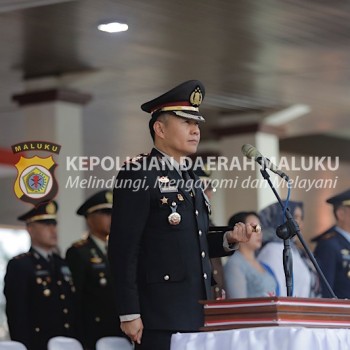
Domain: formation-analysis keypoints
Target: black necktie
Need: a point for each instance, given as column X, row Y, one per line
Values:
column 51, row 262
column 188, row 181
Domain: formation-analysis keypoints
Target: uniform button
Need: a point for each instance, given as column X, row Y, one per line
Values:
column 215, row 272
column 205, row 276
column 97, row 319
column 37, row 329
column 197, row 212
column 62, row 296
column 203, row 254
column 65, row 311
column 66, row 325
column 59, row 283
column 200, row 232
column 166, row 277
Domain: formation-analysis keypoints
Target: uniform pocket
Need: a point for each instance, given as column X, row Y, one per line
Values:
column 164, row 261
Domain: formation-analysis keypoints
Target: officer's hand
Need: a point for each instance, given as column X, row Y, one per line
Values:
column 133, row 329
column 241, row 233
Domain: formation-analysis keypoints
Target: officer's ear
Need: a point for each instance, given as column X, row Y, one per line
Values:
column 160, row 124
column 30, row 228
column 340, row 213
column 158, row 128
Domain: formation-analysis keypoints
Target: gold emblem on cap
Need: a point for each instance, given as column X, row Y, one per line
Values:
column 109, row 197
column 196, row 97
column 50, row 208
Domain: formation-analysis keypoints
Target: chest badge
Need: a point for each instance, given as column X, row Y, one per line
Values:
column 174, row 218
column 164, row 200
column 163, row 179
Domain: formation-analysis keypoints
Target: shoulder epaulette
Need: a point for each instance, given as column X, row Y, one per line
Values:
column 136, row 159
column 80, row 243
column 328, row 235
column 23, row 255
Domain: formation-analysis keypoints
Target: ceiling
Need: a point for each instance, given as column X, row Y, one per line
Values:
column 256, row 59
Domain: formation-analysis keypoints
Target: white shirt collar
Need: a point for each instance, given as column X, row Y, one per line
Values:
column 344, row 233
column 44, row 253
column 172, row 161
column 99, row 242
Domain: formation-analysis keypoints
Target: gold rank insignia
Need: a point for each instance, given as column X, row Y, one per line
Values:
column 95, row 260
column 179, row 197
column 164, row 200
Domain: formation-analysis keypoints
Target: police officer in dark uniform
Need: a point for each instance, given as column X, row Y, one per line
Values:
column 158, row 247
column 333, row 248
column 87, row 260
column 39, row 288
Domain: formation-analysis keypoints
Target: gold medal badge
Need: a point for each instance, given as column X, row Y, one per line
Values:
column 174, row 218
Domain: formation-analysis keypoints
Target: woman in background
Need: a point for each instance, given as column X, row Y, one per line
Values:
column 305, row 279
column 244, row 275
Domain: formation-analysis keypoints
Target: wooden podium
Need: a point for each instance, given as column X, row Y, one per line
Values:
column 275, row 311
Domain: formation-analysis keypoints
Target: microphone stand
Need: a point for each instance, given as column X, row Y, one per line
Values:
column 287, row 231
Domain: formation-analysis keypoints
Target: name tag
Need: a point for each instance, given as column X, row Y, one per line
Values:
column 168, row 189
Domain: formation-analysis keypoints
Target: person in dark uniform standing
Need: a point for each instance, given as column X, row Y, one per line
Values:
column 87, row 260
column 333, row 249
column 158, row 247
column 39, row 289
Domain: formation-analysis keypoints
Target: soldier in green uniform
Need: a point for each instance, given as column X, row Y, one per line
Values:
column 87, row 260
column 39, row 290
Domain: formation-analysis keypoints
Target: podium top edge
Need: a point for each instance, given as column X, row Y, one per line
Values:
column 246, row 302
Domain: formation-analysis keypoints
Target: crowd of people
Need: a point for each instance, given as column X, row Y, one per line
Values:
column 148, row 260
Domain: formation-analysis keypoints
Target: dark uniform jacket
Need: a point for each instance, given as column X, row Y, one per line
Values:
column 90, row 269
column 333, row 255
column 160, row 270
column 39, row 300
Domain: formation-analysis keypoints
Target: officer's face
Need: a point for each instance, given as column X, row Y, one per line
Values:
column 343, row 217
column 43, row 235
column 178, row 136
column 99, row 223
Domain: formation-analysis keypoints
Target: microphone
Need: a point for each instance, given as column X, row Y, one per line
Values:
column 252, row 153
